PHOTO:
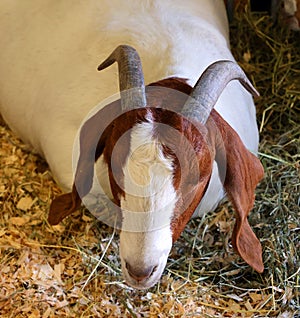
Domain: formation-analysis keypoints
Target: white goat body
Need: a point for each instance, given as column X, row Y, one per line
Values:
column 49, row 82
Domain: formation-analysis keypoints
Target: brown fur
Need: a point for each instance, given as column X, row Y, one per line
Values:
column 243, row 172
column 297, row 14
column 214, row 141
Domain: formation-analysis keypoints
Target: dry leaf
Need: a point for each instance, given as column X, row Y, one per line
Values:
column 233, row 305
column 11, row 159
column 248, row 305
column 58, row 270
column 235, row 297
column 35, row 314
column 47, row 313
column 25, row 203
column 247, row 57
column 224, row 226
column 59, row 228
column 255, row 297
column 18, row 220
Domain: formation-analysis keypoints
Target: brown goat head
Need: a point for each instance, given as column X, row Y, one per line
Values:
column 190, row 146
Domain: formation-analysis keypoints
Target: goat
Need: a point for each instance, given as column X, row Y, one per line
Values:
column 160, row 153
column 291, row 14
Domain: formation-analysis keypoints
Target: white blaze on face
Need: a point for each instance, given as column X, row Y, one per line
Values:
column 150, row 198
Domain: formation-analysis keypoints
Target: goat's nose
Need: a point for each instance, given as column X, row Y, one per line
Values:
column 140, row 274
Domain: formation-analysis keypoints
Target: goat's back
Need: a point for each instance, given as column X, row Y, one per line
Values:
column 50, row 51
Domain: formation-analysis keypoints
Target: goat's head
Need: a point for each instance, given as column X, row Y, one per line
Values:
column 159, row 143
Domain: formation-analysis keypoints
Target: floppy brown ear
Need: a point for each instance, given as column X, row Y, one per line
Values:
column 63, row 205
column 93, row 137
column 242, row 172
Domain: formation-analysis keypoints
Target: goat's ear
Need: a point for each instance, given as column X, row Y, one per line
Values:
column 67, row 203
column 91, row 148
column 242, row 171
column 63, row 205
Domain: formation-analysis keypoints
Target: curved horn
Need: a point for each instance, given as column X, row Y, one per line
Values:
column 131, row 78
column 210, row 86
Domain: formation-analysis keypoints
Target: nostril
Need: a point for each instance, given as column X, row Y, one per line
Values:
column 140, row 274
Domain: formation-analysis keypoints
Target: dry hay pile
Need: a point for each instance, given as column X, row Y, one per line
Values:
column 73, row 269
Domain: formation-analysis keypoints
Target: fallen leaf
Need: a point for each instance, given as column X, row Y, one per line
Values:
column 18, row 220
column 235, row 297
column 25, row 203
column 255, row 297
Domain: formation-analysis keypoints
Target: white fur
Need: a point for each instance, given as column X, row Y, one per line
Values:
column 148, row 205
column 290, row 6
column 49, row 53
column 148, row 176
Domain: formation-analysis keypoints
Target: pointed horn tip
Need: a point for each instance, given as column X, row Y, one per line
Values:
column 256, row 93
column 105, row 64
column 112, row 58
column 249, row 86
column 100, row 67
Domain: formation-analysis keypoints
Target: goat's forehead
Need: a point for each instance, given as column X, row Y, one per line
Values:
column 148, row 175
column 145, row 148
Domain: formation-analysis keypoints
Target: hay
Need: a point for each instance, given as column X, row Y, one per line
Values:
column 73, row 269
